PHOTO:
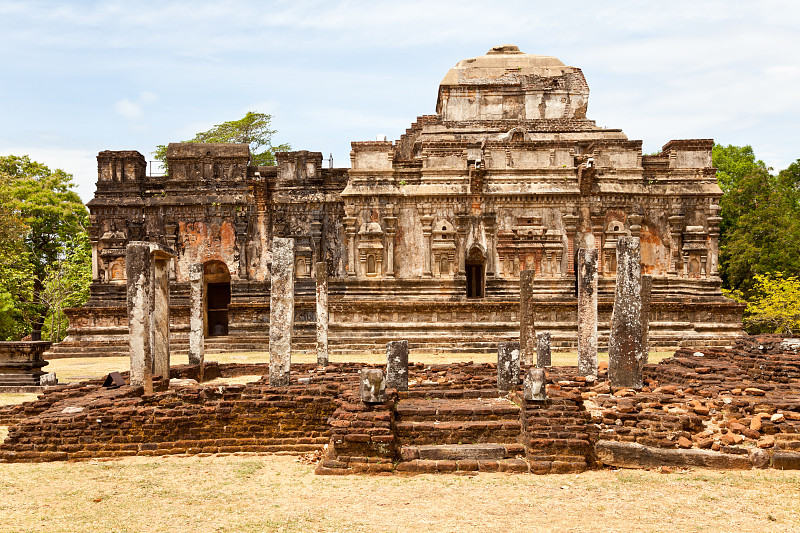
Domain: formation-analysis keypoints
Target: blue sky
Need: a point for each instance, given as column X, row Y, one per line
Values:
column 80, row 77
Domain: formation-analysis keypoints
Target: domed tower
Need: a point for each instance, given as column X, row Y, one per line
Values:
column 506, row 84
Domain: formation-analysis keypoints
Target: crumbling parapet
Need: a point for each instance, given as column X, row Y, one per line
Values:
column 625, row 342
column 281, row 311
column 147, row 272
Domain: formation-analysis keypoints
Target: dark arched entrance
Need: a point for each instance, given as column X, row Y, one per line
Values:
column 218, row 296
column 475, row 267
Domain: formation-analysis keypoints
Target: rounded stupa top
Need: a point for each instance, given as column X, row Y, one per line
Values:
column 506, row 84
column 500, row 61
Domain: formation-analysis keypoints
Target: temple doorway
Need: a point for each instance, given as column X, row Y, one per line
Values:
column 218, row 296
column 475, row 267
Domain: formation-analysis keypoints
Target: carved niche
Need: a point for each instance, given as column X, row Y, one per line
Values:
column 370, row 249
column 443, row 249
column 528, row 244
column 614, row 230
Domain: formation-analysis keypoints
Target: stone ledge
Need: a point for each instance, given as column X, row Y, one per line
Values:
column 633, row 455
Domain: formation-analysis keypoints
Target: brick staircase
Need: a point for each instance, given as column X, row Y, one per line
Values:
column 451, row 431
column 558, row 436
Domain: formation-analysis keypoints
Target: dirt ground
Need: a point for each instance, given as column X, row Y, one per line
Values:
column 252, row 493
column 78, row 369
column 277, row 493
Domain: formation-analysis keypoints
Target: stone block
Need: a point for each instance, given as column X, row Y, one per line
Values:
column 397, row 365
column 507, row 366
column 543, row 356
column 372, row 385
column 534, row 385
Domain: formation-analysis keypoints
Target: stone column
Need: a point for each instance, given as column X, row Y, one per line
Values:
column 322, row 313
column 281, row 311
column 647, row 287
column 527, row 326
column 196, row 325
column 147, row 272
column 426, row 220
column 543, row 357
column 625, row 343
column 397, row 365
column 507, row 366
column 587, row 312
column 160, row 329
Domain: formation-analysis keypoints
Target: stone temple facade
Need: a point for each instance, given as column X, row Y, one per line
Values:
column 424, row 238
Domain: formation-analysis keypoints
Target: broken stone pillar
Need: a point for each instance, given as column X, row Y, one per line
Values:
column 373, row 385
column 625, row 342
column 543, row 357
column 527, row 327
column 587, row 312
column 147, row 271
column 281, row 311
column 647, row 287
column 507, row 366
column 534, row 386
column 196, row 326
column 322, row 313
column 397, row 365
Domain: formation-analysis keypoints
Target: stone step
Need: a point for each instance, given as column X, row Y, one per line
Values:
column 457, row 452
column 446, row 409
column 423, row 466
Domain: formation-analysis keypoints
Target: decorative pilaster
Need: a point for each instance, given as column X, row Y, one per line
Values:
column 713, row 220
column 350, row 231
column 462, row 226
column 489, row 221
column 391, row 228
column 570, row 224
column 427, row 221
column 676, row 227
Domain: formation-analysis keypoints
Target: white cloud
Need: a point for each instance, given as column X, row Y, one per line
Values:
column 135, row 110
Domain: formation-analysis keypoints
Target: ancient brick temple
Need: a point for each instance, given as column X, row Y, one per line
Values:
column 425, row 237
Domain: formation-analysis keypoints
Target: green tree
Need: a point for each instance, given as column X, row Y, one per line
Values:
column 53, row 221
column 774, row 304
column 760, row 218
column 253, row 129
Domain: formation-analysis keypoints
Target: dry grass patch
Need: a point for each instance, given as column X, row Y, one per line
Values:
column 275, row 493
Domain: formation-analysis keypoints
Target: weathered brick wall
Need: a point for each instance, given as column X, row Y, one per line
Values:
column 212, row 419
